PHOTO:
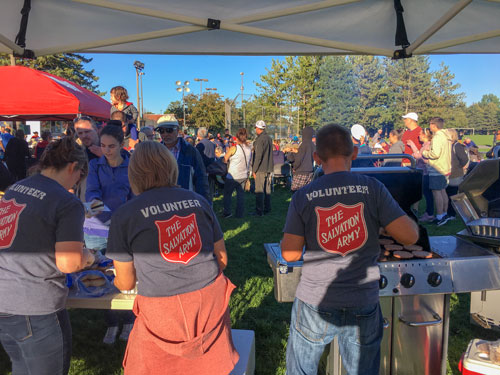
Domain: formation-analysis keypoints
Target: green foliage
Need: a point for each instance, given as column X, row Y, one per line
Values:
column 341, row 103
column 67, row 65
column 175, row 108
column 485, row 114
column 208, row 112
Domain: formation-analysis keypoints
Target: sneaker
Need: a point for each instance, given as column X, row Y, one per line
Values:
column 225, row 216
column 452, row 217
column 127, row 328
column 110, row 336
column 443, row 220
column 426, row 218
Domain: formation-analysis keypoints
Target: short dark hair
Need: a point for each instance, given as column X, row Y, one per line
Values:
column 113, row 131
column 397, row 133
column 119, row 116
column 46, row 135
column 438, row 121
column 333, row 140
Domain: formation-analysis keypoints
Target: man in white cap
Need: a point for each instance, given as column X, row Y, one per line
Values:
column 412, row 133
column 358, row 134
column 262, row 168
column 192, row 172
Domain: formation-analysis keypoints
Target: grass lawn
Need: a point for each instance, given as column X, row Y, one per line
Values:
column 481, row 139
column 252, row 305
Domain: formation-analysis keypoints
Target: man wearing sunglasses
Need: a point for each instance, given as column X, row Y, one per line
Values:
column 192, row 173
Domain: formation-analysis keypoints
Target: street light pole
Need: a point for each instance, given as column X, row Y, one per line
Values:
column 139, row 67
column 242, row 106
column 142, row 99
column 201, row 80
column 183, row 88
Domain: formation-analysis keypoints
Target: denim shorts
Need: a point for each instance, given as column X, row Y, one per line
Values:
column 359, row 331
column 438, row 182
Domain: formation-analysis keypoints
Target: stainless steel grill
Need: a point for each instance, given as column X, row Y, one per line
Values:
column 414, row 293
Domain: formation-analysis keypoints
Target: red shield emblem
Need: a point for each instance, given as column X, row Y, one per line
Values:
column 179, row 238
column 9, row 220
column 341, row 229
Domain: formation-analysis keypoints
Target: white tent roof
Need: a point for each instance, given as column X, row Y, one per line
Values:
column 257, row 27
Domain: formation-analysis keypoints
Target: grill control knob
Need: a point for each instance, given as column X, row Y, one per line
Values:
column 382, row 282
column 407, row 280
column 434, row 279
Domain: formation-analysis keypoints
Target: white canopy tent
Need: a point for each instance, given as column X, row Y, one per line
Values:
column 257, row 27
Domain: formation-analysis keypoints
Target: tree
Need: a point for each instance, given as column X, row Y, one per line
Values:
column 68, row 65
column 447, row 102
column 374, row 94
column 208, row 112
column 272, row 89
column 409, row 80
column 485, row 114
column 175, row 108
column 337, row 83
column 302, row 84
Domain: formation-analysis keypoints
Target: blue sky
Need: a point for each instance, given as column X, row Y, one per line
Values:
column 477, row 74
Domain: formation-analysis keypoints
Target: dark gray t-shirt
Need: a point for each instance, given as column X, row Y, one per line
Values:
column 169, row 234
column 339, row 215
column 35, row 213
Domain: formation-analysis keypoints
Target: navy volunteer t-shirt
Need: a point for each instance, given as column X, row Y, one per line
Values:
column 35, row 213
column 169, row 234
column 339, row 215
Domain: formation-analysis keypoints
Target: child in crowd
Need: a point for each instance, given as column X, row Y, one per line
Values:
column 119, row 97
column 397, row 147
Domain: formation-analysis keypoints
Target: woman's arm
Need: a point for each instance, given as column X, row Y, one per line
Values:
column 221, row 254
column 71, row 256
column 93, row 190
column 229, row 153
column 125, row 275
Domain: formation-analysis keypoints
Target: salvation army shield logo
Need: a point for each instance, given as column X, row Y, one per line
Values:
column 179, row 238
column 341, row 229
column 10, row 211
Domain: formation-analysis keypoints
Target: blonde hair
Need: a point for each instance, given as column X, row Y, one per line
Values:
column 453, row 134
column 151, row 166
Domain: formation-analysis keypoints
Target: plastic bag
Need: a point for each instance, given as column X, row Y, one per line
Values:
column 79, row 289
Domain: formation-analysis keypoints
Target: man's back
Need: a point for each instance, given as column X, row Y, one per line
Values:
column 263, row 154
column 339, row 215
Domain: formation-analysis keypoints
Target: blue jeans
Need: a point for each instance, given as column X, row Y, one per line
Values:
column 37, row 344
column 229, row 186
column 359, row 331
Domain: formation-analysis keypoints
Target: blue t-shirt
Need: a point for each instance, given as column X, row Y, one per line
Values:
column 339, row 216
column 6, row 137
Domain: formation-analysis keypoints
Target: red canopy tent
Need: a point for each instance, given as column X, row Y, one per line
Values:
column 28, row 94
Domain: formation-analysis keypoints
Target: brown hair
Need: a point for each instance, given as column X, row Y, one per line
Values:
column 119, row 115
column 333, row 140
column 396, row 133
column 242, row 135
column 152, row 166
column 438, row 121
column 120, row 93
column 428, row 134
column 58, row 154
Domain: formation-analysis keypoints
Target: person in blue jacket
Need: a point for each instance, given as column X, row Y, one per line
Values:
column 192, row 172
column 108, row 182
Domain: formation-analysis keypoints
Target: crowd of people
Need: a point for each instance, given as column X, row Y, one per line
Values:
column 166, row 241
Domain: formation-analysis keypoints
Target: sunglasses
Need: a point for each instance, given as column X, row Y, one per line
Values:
column 166, row 130
column 83, row 118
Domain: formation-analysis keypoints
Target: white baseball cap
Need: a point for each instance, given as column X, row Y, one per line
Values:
column 411, row 115
column 260, row 124
column 358, row 131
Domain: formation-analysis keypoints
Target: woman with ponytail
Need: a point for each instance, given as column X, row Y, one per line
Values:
column 41, row 239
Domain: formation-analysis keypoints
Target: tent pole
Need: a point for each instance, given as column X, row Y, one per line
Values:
column 457, row 8
column 120, row 40
column 13, row 46
column 455, row 42
column 12, row 60
column 305, row 39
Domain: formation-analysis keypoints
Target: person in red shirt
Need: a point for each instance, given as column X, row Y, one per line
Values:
column 412, row 133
